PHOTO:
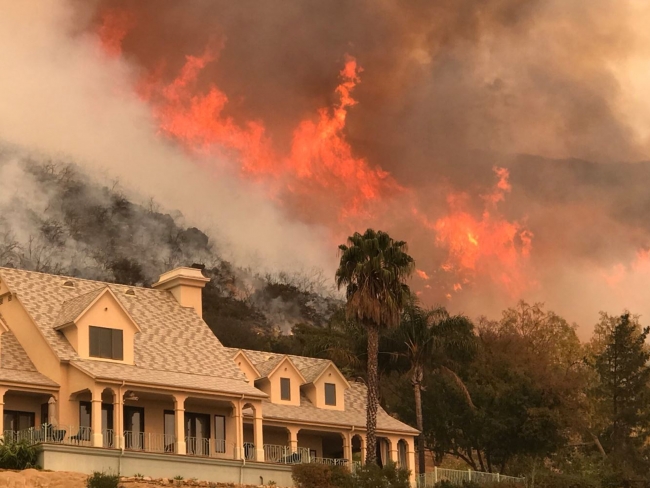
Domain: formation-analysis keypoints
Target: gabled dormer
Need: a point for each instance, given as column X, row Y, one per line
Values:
column 98, row 326
column 246, row 366
column 325, row 387
column 280, row 380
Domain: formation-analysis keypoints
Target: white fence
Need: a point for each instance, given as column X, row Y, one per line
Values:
column 457, row 477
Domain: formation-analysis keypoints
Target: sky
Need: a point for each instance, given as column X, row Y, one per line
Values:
column 506, row 141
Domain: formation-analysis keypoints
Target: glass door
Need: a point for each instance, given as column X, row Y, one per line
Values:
column 197, row 433
column 134, row 427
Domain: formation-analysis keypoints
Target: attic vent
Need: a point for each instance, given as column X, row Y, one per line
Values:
column 68, row 284
column 130, row 291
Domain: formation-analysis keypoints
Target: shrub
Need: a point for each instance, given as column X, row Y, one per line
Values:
column 557, row 480
column 372, row 476
column 102, row 480
column 18, row 455
column 319, row 476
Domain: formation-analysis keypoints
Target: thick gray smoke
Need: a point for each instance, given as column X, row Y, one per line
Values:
column 553, row 90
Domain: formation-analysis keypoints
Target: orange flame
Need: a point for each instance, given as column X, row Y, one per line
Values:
column 321, row 168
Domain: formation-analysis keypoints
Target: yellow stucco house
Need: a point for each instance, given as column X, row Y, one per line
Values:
column 132, row 380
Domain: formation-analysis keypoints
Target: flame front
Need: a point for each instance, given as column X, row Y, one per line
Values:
column 320, row 179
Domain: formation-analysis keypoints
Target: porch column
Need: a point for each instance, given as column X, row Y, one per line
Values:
column 410, row 456
column 293, row 438
column 2, row 412
column 347, row 446
column 258, row 434
column 179, row 423
column 118, row 420
column 393, row 454
column 97, row 438
column 239, row 430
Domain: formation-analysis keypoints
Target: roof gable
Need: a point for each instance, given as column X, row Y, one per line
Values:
column 241, row 354
column 274, row 365
column 173, row 338
column 317, row 372
column 72, row 310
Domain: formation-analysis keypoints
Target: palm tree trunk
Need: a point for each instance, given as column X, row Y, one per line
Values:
column 417, row 392
column 373, row 394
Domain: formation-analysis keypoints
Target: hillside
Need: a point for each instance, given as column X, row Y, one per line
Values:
column 58, row 220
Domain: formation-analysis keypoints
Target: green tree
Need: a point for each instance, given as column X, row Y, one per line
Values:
column 430, row 339
column 622, row 393
column 373, row 268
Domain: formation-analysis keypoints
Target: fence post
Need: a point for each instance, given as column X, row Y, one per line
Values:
column 469, row 472
column 435, row 475
column 498, row 477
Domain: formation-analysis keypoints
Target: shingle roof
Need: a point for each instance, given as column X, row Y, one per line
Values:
column 311, row 368
column 173, row 338
column 71, row 309
column 353, row 415
column 134, row 374
column 15, row 365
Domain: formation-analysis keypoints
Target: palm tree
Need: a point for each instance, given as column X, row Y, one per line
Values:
column 430, row 340
column 373, row 268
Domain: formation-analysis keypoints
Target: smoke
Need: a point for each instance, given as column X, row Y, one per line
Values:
column 449, row 90
column 63, row 99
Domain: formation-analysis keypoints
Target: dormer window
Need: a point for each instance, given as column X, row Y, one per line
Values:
column 106, row 343
column 285, row 389
column 330, row 394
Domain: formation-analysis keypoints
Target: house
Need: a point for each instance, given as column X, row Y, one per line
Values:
column 132, row 380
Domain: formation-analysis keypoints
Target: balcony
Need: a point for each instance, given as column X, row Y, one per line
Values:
column 166, row 444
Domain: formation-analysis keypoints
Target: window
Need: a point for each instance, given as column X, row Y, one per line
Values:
column 285, row 389
column 17, row 421
column 106, row 343
column 220, row 433
column 330, row 394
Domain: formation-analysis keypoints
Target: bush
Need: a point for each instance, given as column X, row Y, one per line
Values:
column 18, row 455
column 557, row 480
column 320, row 476
column 102, row 480
column 370, row 476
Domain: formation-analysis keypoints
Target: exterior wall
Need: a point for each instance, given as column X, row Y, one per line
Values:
column 30, row 337
column 88, row 460
column 105, row 312
column 188, row 296
column 285, row 370
column 311, row 442
column 316, row 391
column 245, row 367
column 22, row 403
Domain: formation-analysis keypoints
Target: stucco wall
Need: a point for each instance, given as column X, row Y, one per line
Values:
column 105, row 312
column 88, row 460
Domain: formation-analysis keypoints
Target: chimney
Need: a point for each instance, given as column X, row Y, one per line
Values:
column 185, row 284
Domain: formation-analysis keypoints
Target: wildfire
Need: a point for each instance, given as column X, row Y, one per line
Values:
column 319, row 178
column 487, row 243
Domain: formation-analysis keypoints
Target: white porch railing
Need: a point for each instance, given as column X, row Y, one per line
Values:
column 284, row 455
column 457, row 477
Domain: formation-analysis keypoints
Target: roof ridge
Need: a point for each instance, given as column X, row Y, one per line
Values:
column 86, row 280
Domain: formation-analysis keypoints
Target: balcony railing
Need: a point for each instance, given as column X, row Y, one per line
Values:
column 284, row 455
column 162, row 443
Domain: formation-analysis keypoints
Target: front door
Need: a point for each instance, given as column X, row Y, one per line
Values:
column 197, row 433
column 134, row 427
